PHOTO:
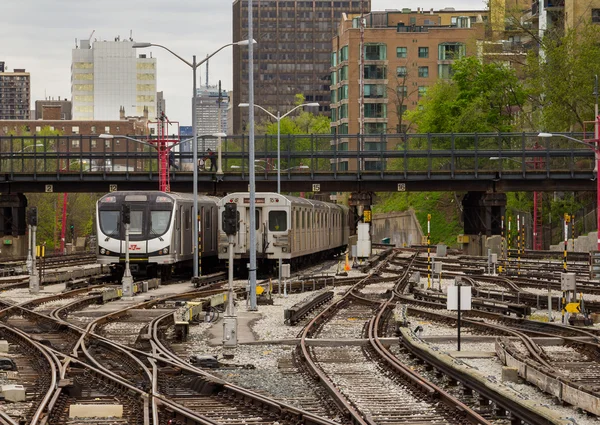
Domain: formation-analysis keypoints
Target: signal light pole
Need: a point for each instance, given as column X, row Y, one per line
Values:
column 34, row 282
column 230, row 223
column 127, row 281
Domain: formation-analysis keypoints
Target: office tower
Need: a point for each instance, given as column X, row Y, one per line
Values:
column 207, row 110
column 293, row 54
column 108, row 75
column 14, row 94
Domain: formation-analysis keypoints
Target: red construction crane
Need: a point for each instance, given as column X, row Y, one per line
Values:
column 164, row 143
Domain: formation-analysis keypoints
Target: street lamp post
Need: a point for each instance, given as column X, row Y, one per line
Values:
column 277, row 117
column 194, row 65
column 594, row 145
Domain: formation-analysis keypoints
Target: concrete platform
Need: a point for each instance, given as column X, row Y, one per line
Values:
column 244, row 322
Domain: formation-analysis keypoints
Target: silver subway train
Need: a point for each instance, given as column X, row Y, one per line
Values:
column 297, row 230
column 160, row 235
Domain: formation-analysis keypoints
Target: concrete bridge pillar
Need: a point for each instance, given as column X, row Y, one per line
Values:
column 13, row 224
column 482, row 212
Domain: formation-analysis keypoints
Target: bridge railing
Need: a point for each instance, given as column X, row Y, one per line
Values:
column 448, row 154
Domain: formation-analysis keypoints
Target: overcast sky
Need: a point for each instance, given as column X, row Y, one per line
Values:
column 38, row 35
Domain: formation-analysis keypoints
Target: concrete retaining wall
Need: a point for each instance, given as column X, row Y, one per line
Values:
column 583, row 243
column 402, row 228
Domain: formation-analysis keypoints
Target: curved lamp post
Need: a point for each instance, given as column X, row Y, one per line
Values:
column 194, row 65
column 277, row 117
column 594, row 145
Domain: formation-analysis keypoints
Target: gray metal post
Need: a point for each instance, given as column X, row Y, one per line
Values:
column 230, row 318
column 549, row 303
column 279, row 182
column 195, row 169
column 29, row 251
column 127, row 281
column 252, row 271
column 34, row 280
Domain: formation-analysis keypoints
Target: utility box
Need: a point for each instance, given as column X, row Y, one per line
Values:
column 441, row 250
column 594, row 265
column 567, row 282
column 363, row 246
column 13, row 393
column 285, row 271
column 437, row 267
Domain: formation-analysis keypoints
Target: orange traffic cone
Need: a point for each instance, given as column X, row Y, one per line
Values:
column 347, row 265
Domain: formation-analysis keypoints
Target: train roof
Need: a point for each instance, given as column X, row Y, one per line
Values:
column 262, row 196
column 154, row 193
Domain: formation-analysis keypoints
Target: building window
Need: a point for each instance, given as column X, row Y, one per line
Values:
column 444, row 71
column 374, row 127
column 375, row 72
column 423, row 52
column 344, row 111
column 401, row 52
column 343, row 73
column 423, row 71
column 344, row 54
column 334, row 78
column 38, row 129
column 422, row 91
column 93, row 144
column 334, row 59
column 401, row 71
column 333, row 96
column 333, row 114
column 343, row 128
column 343, row 92
column 596, row 16
column 375, row 110
column 375, row 91
column 75, row 129
column 75, row 143
column 107, row 130
column 93, row 129
column 375, row 52
column 451, row 51
column 402, row 91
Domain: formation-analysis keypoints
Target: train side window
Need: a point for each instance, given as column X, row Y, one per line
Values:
column 257, row 219
column 187, row 219
column 207, row 219
column 303, row 219
column 277, row 221
column 308, row 220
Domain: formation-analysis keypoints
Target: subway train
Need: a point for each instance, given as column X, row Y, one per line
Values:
column 160, row 234
column 297, row 230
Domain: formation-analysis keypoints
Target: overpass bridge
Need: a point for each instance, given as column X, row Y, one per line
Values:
column 485, row 166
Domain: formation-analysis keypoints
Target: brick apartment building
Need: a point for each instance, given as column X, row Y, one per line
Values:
column 405, row 52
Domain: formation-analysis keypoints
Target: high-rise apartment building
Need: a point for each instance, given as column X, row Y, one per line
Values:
column 293, row 53
column 405, row 52
column 108, row 75
column 15, row 94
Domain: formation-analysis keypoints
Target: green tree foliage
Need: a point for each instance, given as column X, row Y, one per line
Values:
column 561, row 80
column 480, row 97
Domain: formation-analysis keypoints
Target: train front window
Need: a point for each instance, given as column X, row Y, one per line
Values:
column 277, row 221
column 137, row 223
column 109, row 223
column 159, row 221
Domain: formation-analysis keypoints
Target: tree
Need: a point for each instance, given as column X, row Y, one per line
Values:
column 480, row 97
column 561, row 77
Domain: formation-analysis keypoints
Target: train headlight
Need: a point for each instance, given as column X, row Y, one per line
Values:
column 102, row 251
column 284, row 249
column 166, row 250
column 224, row 249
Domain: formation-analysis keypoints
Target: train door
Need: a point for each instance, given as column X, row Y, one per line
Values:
column 277, row 225
column 186, row 230
column 177, row 233
column 258, row 227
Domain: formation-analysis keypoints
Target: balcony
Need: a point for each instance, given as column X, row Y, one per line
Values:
column 554, row 4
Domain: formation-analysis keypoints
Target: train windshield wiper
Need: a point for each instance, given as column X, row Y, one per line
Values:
column 153, row 233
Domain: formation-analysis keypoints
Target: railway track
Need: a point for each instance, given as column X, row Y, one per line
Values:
column 354, row 376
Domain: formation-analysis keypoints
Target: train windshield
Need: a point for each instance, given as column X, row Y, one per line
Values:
column 109, row 223
column 159, row 220
column 137, row 223
column 277, row 221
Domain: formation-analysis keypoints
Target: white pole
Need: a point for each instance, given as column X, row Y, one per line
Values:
column 252, row 271
column 127, row 281
column 195, row 171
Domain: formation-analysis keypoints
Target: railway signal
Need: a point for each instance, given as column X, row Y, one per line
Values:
column 230, row 227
